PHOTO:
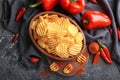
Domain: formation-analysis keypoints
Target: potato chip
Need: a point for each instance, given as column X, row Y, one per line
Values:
column 81, row 59
column 43, row 39
column 54, row 67
column 72, row 30
column 35, row 35
column 78, row 37
column 51, row 34
column 41, row 44
column 68, row 69
column 52, row 18
column 74, row 49
column 52, row 43
column 61, row 33
column 64, row 23
column 66, row 40
column 41, row 30
column 45, row 16
column 50, row 50
column 52, row 26
column 62, row 50
column 34, row 24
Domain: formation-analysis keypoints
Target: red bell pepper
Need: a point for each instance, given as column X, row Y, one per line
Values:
column 73, row 6
column 46, row 4
column 49, row 4
column 93, row 19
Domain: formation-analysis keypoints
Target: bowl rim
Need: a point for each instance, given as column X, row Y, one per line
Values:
column 44, row 51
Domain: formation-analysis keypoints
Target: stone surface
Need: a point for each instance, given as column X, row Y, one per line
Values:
column 11, row 69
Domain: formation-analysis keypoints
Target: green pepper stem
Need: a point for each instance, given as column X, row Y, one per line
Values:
column 73, row 0
column 35, row 5
column 101, row 44
column 85, row 21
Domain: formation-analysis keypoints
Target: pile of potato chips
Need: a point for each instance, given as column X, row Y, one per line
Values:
column 57, row 35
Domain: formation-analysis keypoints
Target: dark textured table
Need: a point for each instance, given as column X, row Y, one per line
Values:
column 11, row 69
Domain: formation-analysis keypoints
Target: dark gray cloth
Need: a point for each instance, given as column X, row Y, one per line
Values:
column 27, row 49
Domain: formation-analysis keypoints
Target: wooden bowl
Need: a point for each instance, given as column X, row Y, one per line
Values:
column 44, row 51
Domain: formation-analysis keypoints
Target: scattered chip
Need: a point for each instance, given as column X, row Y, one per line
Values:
column 81, row 59
column 68, row 69
column 54, row 67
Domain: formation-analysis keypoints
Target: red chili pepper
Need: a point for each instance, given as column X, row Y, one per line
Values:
column 46, row 4
column 96, row 57
column 34, row 59
column 104, row 56
column 93, row 19
column 15, row 38
column 93, row 1
column 20, row 14
column 106, row 50
column 73, row 6
column 118, row 32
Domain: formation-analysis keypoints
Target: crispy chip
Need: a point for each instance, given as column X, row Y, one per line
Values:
column 51, row 34
column 62, row 50
column 52, row 18
column 41, row 30
column 74, row 49
column 45, row 16
column 78, row 37
column 81, row 59
column 42, row 42
column 34, row 24
column 35, row 35
column 72, row 30
column 54, row 67
column 64, row 23
column 50, row 50
column 52, row 43
column 61, row 33
column 66, row 40
column 68, row 69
